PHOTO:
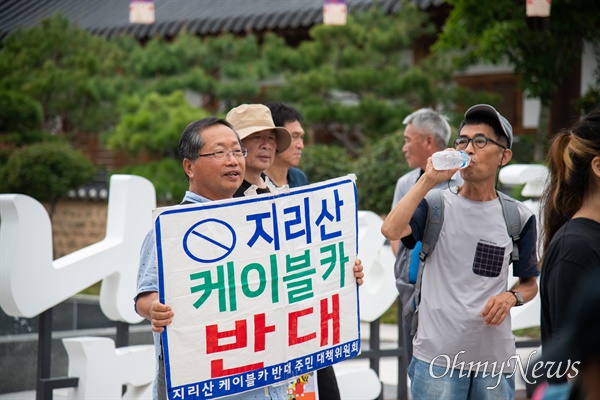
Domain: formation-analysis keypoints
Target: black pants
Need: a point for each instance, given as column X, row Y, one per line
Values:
column 161, row 381
column 327, row 383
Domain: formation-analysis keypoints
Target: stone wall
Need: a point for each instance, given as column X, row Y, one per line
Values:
column 77, row 224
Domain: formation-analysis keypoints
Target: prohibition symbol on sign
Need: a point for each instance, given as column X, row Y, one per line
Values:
column 209, row 240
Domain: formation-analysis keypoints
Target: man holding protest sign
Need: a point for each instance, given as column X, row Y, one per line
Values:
column 214, row 163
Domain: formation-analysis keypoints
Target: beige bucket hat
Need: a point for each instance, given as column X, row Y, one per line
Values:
column 250, row 118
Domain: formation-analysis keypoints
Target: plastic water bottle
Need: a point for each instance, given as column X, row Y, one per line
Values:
column 450, row 159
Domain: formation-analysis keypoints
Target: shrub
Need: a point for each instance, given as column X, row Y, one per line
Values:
column 321, row 162
column 45, row 171
column 378, row 169
column 523, row 149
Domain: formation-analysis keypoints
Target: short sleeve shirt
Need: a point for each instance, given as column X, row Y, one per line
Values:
column 469, row 265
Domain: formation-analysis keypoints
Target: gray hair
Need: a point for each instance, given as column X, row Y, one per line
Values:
column 428, row 121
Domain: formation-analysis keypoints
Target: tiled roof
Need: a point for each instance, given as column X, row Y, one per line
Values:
column 203, row 17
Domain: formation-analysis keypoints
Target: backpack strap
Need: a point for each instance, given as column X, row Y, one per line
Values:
column 435, row 218
column 512, row 218
column 433, row 226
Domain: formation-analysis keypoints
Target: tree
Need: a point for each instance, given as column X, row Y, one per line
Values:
column 67, row 71
column 153, row 123
column 321, row 162
column 541, row 50
column 20, row 122
column 19, row 113
column 222, row 69
column 177, row 82
column 357, row 81
column 45, row 171
column 377, row 171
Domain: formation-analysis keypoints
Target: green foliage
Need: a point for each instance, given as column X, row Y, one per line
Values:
column 378, row 168
column 10, row 142
column 390, row 316
column 542, row 50
column 358, row 79
column 221, row 68
column 466, row 98
column 589, row 100
column 322, row 162
column 45, row 171
column 532, row 333
column 59, row 65
column 514, row 191
column 523, row 149
column 19, row 113
column 153, row 123
column 166, row 175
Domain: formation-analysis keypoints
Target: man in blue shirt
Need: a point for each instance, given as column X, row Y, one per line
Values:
column 214, row 164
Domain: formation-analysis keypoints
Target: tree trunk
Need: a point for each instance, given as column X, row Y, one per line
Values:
column 539, row 149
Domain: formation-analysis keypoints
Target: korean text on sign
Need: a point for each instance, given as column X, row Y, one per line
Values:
column 262, row 288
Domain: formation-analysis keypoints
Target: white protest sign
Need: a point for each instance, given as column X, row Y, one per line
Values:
column 26, row 226
column 262, row 288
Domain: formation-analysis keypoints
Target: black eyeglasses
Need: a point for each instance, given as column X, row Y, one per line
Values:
column 479, row 142
column 221, row 155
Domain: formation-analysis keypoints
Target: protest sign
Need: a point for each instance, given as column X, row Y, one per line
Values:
column 262, row 288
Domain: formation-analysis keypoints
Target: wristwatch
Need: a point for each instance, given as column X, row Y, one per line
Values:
column 519, row 298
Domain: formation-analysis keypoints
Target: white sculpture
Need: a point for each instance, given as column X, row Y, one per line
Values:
column 378, row 292
column 102, row 369
column 32, row 283
column 26, row 257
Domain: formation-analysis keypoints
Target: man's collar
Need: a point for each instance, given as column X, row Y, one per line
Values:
column 196, row 198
